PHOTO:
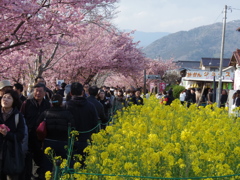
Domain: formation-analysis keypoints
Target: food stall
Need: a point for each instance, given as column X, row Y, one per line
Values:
column 199, row 78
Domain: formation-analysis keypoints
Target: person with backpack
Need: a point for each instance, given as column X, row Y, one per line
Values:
column 57, row 120
column 12, row 131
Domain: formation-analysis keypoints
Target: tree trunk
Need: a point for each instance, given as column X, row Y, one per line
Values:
column 90, row 77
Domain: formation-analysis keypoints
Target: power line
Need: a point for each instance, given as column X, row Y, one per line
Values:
column 218, row 17
column 235, row 9
column 229, row 9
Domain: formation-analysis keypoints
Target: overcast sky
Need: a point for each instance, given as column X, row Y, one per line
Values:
column 173, row 15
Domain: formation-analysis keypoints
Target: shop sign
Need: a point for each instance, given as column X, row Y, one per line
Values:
column 162, row 86
column 153, row 77
column 208, row 75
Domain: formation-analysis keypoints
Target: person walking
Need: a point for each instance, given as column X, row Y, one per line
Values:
column 119, row 101
column 11, row 128
column 139, row 99
column 57, row 119
column 223, row 98
column 198, row 95
column 105, row 102
column 32, row 109
column 19, row 89
column 182, row 96
column 85, row 117
column 189, row 98
column 193, row 94
column 4, row 86
column 93, row 92
column 131, row 99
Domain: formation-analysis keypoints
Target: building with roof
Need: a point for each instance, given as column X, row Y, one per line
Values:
column 208, row 73
column 186, row 64
column 235, row 59
column 235, row 62
column 212, row 64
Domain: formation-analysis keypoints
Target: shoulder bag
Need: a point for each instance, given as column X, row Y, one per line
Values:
column 42, row 130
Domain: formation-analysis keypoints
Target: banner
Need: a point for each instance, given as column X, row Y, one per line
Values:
column 208, row 76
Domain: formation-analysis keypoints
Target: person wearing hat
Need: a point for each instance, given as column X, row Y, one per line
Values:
column 4, row 86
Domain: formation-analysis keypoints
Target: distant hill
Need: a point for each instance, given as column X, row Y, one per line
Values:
column 146, row 38
column 204, row 41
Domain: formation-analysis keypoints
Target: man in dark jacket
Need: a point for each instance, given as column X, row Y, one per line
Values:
column 93, row 91
column 169, row 97
column 85, row 116
column 19, row 89
column 61, row 91
column 139, row 99
column 193, row 95
column 31, row 109
column 131, row 98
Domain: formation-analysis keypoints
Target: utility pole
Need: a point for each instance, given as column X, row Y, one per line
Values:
column 144, row 82
column 221, row 57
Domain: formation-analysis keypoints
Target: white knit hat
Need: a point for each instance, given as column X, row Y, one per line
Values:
column 5, row 83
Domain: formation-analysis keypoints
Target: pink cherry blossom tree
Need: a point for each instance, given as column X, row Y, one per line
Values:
column 136, row 79
column 68, row 39
column 98, row 52
column 32, row 32
column 30, row 23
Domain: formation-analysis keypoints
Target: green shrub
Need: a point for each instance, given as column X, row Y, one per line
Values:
column 177, row 90
column 170, row 86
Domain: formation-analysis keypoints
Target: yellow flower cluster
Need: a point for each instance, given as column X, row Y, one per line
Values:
column 156, row 140
column 48, row 175
column 48, row 151
column 74, row 133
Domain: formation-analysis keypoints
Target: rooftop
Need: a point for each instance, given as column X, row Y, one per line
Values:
column 186, row 64
column 214, row 62
column 235, row 58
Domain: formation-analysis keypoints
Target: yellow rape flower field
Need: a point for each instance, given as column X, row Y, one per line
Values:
column 174, row 141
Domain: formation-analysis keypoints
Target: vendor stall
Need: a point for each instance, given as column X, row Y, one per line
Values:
column 198, row 78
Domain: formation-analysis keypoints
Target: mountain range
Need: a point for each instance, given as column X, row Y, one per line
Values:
column 203, row 41
column 146, row 38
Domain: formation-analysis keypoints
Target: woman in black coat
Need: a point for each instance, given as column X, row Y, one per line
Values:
column 224, row 98
column 189, row 97
column 10, row 126
column 105, row 102
column 119, row 101
column 57, row 121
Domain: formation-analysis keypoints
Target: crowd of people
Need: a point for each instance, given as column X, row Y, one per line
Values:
column 84, row 108
column 81, row 107
column 199, row 97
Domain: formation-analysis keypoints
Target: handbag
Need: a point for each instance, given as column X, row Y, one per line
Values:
column 13, row 159
column 42, row 130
